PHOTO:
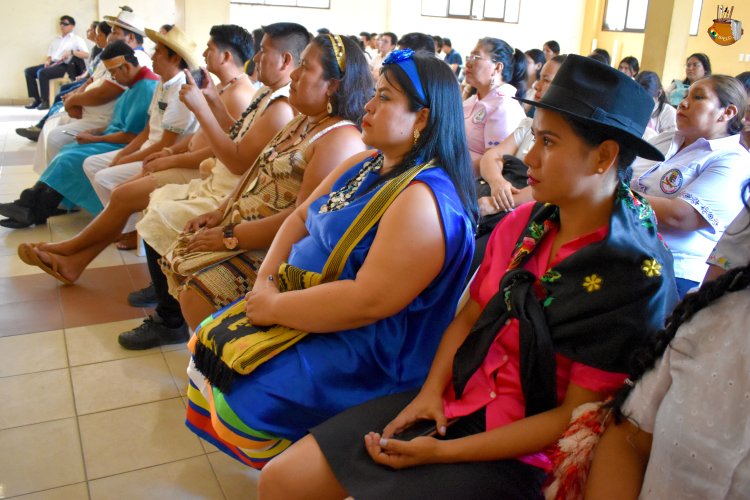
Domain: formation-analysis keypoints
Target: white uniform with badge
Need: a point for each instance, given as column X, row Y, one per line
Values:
column 708, row 175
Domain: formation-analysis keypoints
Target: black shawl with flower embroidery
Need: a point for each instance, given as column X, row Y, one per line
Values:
column 594, row 307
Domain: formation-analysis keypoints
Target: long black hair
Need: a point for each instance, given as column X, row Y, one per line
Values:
column 355, row 82
column 514, row 62
column 632, row 62
column 705, row 62
column 645, row 358
column 105, row 28
column 537, row 56
column 444, row 137
column 651, row 83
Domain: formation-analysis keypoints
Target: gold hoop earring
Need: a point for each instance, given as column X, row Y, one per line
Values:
column 329, row 107
column 416, row 136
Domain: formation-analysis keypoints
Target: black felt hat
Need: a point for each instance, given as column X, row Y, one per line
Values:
column 595, row 93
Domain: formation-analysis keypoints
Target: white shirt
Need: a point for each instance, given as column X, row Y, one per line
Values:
column 100, row 111
column 708, row 175
column 523, row 137
column 62, row 44
column 144, row 60
column 377, row 63
column 167, row 112
column 662, row 142
column 664, row 120
column 696, row 403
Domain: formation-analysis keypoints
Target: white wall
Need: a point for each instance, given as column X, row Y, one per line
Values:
column 28, row 29
column 562, row 21
column 30, row 25
column 349, row 17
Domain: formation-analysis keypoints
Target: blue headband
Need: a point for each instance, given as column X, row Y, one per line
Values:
column 405, row 60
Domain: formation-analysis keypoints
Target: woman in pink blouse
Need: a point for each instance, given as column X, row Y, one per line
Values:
column 498, row 74
column 568, row 287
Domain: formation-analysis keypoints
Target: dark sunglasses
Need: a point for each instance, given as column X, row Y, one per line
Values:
column 64, row 24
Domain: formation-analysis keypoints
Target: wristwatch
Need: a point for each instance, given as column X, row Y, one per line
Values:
column 230, row 240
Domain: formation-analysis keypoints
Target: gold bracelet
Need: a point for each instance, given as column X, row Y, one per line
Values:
column 168, row 150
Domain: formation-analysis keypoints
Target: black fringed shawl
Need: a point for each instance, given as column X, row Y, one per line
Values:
column 598, row 303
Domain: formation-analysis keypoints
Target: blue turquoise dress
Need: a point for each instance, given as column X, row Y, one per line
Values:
column 65, row 172
column 325, row 374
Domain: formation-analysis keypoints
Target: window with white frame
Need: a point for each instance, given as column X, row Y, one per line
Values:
column 313, row 4
column 696, row 18
column 625, row 15
column 490, row 10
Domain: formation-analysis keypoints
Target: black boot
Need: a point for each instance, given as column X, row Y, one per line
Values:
column 30, row 197
column 47, row 205
column 33, row 206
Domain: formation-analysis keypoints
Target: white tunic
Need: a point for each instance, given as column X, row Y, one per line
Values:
column 696, row 403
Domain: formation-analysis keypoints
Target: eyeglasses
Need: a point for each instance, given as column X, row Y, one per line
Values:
column 471, row 58
column 694, row 65
column 64, row 24
column 115, row 70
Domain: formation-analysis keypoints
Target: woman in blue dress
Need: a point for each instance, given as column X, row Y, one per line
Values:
column 374, row 329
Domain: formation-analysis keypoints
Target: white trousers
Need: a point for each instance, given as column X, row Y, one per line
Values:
column 52, row 138
column 105, row 179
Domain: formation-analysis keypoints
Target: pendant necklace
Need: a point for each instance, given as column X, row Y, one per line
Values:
column 272, row 153
column 230, row 83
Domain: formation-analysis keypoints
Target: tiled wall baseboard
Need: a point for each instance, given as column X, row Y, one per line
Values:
column 14, row 101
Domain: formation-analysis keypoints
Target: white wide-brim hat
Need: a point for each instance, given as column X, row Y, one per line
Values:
column 127, row 20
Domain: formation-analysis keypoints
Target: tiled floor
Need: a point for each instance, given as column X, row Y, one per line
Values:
column 82, row 417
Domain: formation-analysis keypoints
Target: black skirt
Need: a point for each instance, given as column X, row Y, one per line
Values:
column 341, row 439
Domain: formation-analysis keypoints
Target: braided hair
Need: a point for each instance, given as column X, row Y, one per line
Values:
column 645, row 359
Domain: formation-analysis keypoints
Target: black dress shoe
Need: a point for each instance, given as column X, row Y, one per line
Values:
column 30, row 133
column 33, row 105
column 13, row 224
column 145, row 297
column 43, row 105
column 21, row 214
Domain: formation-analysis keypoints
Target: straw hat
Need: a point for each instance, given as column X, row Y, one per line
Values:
column 180, row 42
column 126, row 20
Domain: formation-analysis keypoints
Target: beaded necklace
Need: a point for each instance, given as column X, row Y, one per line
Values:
column 230, row 83
column 235, row 130
column 271, row 153
column 343, row 196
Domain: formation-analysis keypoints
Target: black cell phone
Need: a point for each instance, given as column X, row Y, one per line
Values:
column 420, row 428
column 417, row 429
column 198, row 77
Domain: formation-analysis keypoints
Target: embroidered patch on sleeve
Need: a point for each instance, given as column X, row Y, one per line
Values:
column 704, row 210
